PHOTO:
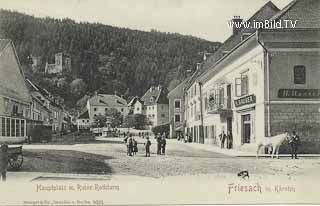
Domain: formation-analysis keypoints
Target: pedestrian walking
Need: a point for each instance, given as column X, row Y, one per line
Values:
column 294, row 143
column 222, row 139
column 3, row 162
column 147, row 145
column 163, row 146
column 159, row 144
column 229, row 139
column 135, row 147
column 130, row 146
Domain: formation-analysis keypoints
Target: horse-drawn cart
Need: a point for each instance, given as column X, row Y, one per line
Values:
column 15, row 159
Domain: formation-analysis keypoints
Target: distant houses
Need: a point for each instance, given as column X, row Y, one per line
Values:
column 154, row 104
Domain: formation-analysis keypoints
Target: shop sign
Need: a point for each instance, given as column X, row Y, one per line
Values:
column 245, row 100
column 299, row 93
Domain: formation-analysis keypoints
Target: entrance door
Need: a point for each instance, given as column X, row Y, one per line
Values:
column 246, row 129
column 229, row 128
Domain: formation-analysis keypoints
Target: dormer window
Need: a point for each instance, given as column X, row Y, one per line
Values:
column 224, row 53
column 244, row 36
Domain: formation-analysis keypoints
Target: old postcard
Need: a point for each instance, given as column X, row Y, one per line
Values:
column 159, row 102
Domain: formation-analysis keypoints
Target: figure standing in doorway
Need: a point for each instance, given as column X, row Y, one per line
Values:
column 222, row 139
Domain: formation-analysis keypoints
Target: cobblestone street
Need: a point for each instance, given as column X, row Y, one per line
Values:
column 109, row 157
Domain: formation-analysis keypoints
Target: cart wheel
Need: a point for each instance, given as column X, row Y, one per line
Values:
column 16, row 161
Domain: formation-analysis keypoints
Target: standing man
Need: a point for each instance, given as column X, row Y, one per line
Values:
column 229, row 140
column 159, row 144
column 3, row 162
column 163, row 145
column 147, row 145
column 294, row 142
column 222, row 139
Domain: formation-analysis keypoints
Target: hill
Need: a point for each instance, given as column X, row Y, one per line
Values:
column 104, row 58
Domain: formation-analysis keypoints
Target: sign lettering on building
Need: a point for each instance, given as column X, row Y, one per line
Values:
column 299, row 93
column 245, row 100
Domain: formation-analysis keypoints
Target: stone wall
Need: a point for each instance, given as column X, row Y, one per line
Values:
column 303, row 118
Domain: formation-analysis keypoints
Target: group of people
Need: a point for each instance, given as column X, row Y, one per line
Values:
column 132, row 145
column 226, row 139
column 161, row 144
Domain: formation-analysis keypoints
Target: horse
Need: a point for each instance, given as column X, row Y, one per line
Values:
column 274, row 142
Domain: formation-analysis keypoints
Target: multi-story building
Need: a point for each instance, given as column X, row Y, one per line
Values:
column 62, row 64
column 15, row 99
column 155, row 106
column 99, row 104
column 176, row 110
column 83, row 121
column 267, row 84
column 136, row 106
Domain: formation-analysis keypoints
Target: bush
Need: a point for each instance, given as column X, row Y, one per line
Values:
column 41, row 133
column 161, row 129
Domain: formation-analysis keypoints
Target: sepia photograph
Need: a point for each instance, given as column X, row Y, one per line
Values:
column 159, row 102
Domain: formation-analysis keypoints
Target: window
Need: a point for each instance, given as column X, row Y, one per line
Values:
column 122, row 109
column 177, row 104
column 244, row 36
column 244, row 84
column 299, row 73
column 221, row 96
column 138, row 108
column 106, row 109
column 95, row 109
column 177, row 118
column 163, row 115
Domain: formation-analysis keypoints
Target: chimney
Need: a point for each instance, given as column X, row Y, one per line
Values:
column 236, row 26
column 198, row 66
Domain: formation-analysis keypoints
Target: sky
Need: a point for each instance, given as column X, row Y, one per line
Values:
column 205, row 19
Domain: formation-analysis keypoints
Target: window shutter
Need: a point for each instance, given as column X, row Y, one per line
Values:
column 238, row 87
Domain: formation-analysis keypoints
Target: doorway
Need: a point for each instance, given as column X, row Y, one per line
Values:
column 246, row 129
column 229, row 128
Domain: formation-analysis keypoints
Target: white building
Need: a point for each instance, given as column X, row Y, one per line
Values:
column 99, row 104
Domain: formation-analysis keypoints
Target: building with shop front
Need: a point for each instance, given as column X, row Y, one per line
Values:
column 268, row 83
column 15, row 100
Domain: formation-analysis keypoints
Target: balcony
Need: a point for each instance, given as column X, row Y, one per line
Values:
column 222, row 106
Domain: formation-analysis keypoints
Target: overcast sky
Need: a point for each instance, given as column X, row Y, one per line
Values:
column 206, row 19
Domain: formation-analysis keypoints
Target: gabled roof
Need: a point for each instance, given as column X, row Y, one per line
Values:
column 84, row 115
column 134, row 100
column 108, row 100
column 178, row 90
column 305, row 12
column 12, row 80
column 155, row 95
column 265, row 12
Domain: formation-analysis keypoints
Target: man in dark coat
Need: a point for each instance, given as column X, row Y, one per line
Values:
column 163, row 145
column 3, row 162
column 159, row 144
column 222, row 139
column 147, row 145
column 294, row 143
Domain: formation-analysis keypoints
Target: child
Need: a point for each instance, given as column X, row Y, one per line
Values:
column 3, row 161
column 147, row 144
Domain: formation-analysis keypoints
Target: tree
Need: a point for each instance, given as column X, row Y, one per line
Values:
column 99, row 121
column 114, row 117
column 161, row 129
column 78, row 86
column 138, row 121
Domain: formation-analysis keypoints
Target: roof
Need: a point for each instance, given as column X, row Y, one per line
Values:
column 155, row 95
column 265, row 12
column 178, row 90
column 305, row 12
column 84, row 115
column 108, row 100
column 134, row 100
column 12, row 81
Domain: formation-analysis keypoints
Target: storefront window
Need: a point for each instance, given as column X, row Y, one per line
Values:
column 299, row 72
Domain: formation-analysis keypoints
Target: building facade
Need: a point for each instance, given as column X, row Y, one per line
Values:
column 176, row 110
column 15, row 100
column 62, row 64
column 156, row 106
column 99, row 104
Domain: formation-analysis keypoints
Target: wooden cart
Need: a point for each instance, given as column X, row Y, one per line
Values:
column 15, row 159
